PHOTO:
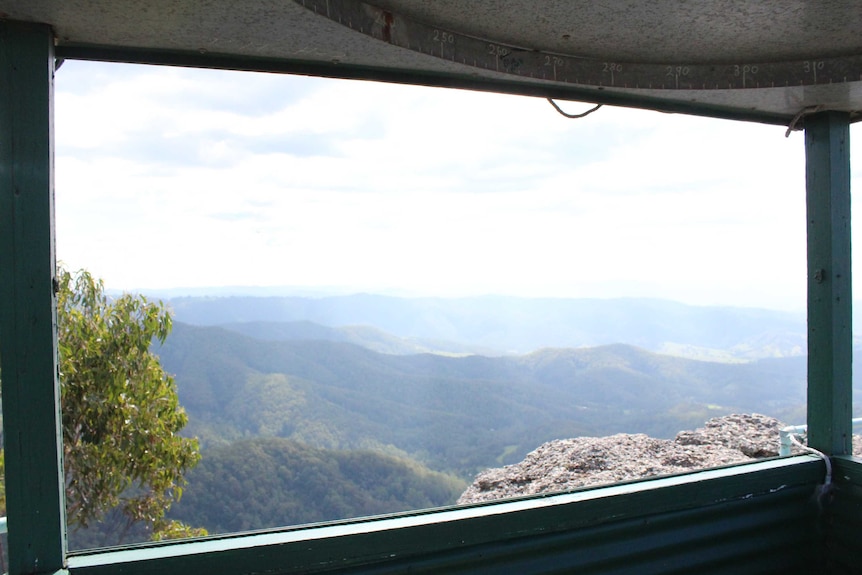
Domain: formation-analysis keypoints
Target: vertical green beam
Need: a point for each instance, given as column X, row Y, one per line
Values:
column 28, row 341
column 830, row 337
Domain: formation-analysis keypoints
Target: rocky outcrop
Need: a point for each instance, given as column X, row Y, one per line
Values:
column 566, row 464
column 754, row 435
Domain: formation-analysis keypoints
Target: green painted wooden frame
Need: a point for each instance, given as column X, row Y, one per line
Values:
column 28, row 334
column 830, row 332
column 31, row 394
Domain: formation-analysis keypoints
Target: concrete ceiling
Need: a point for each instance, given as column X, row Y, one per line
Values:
column 765, row 61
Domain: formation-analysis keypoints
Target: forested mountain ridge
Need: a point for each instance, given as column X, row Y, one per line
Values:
column 362, row 335
column 454, row 414
column 270, row 482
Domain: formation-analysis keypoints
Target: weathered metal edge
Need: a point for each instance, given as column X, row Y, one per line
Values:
column 598, row 95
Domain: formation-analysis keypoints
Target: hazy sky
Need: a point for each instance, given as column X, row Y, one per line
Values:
column 170, row 177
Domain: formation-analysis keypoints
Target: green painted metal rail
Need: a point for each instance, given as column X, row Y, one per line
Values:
column 785, row 447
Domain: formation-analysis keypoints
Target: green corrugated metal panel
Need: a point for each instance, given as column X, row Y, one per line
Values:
column 759, row 535
column 746, row 519
column 843, row 522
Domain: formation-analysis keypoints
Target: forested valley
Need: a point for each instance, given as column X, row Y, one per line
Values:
column 301, row 421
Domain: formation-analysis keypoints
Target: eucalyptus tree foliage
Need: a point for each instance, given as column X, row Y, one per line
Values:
column 120, row 410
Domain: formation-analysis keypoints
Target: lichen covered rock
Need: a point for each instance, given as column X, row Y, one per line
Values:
column 566, row 464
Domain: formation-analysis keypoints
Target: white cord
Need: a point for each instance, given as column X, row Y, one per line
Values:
column 828, row 479
column 573, row 116
column 797, row 117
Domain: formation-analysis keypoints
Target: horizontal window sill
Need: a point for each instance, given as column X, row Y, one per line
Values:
column 398, row 537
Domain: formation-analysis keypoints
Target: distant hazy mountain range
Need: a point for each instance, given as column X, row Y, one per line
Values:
column 496, row 325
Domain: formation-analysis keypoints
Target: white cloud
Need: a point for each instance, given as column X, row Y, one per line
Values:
column 170, row 177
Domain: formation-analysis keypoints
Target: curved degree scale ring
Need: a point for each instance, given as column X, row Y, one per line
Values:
column 534, row 64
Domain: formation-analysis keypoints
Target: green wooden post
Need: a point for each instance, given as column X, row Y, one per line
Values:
column 28, row 341
column 830, row 337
